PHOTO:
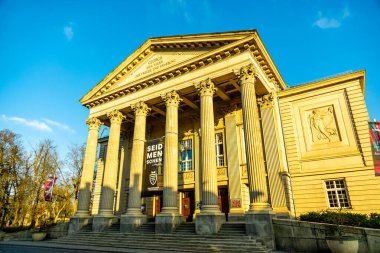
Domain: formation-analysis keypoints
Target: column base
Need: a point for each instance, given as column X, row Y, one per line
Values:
column 196, row 212
column 209, row 223
column 77, row 223
column 168, row 222
column 235, row 217
column 100, row 222
column 130, row 222
column 259, row 223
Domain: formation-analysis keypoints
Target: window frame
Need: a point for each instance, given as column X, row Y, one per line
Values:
column 221, row 131
column 187, row 138
column 335, row 190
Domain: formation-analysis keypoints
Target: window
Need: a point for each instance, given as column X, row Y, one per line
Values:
column 219, row 149
column 337, row 193
column 186, row 155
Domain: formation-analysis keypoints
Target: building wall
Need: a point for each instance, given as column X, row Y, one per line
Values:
column 325, row 128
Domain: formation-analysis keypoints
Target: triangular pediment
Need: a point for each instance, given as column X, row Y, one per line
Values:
column 156, row 62
column 160, row 56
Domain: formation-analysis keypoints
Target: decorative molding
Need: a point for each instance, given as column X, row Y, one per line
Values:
column 93, row 123
column 227, row 48
column 266, row 100
column 116, row 117
column 247, row 74
column 141, row 108
column 171, row 98
column 206, row 87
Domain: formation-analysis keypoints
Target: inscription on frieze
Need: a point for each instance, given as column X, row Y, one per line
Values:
column 153, row 65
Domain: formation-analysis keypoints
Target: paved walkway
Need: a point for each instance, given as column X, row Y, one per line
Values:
column 47, row 246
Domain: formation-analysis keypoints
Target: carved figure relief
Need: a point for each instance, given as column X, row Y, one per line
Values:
column 323, row 125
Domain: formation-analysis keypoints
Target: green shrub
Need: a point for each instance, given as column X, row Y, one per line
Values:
column 343, row 218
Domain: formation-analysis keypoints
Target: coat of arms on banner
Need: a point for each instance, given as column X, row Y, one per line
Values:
column 153, row 177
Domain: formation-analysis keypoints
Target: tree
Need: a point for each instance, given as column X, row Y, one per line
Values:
column 45, row 162
column 11, row 159
column 74, row 161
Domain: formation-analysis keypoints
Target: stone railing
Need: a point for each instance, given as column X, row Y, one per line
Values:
column 303, row 236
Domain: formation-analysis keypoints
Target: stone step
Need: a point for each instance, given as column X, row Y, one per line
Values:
column 177, row 246
column 175, row 237
column 106, row 234
column 199, row 240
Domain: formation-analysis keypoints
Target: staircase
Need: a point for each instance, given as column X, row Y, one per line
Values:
column 230, row 239
column 186, row 228
column 232, row 228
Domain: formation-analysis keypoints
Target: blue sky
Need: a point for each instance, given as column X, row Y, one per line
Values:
column 53, row 52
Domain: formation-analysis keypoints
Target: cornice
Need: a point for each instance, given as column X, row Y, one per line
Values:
column 360, row 75
column 220, row 50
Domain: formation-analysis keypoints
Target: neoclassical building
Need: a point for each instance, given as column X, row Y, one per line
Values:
column 203, row 128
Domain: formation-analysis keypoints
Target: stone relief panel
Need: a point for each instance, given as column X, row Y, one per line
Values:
column 323, row 126
column 323, row 132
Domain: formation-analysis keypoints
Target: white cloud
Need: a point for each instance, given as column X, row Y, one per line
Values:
column 30, row 123
column 324, row 22
column 59, row 125
column 68, row 32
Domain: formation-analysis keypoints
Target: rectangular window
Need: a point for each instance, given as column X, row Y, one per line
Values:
column 219, row 149
column 186, row 155
column 337, row 193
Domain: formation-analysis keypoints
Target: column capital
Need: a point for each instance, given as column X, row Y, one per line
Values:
column 93, row 123
column 141, row 108
column 247, row 74
column 266, row 100
column 206, row 87
column 115, row 116
column 171, row 98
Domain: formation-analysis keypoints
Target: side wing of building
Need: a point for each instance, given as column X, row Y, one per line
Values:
column 325, row 127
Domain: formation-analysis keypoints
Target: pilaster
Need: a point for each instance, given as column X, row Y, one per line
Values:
column 236, row 212
column 276, row 185
column 134, row 218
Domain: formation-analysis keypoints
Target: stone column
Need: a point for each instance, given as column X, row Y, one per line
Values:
column 169, row 218
column 82, row 214
column 134, row 218
column 106, row 215
column 258, row 218
column 210, row 219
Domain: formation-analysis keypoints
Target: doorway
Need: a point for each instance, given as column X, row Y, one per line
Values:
column 223, row 201
column 188, row 206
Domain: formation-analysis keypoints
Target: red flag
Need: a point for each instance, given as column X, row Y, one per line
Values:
column 48, row 188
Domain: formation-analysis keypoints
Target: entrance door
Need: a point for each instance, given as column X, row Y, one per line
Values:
column 186, row 208
column 188, row 205
column 157, row 204
column 223, row 201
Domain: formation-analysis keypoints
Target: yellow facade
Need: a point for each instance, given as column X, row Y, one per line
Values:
column 277, row 148
column 346, row 155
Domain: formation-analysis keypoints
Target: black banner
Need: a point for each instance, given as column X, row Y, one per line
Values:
column 154, row 164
